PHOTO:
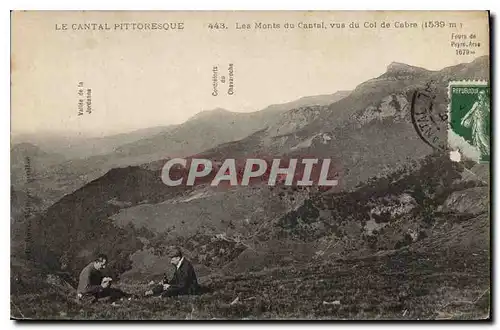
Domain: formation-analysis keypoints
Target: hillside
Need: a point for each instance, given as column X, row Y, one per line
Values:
column 400, row 224
column 72, row 145
column 203, row 131
column 358, row 145
column 26, row 157
column 208, row 129
column 368, row 132
column 427, row 258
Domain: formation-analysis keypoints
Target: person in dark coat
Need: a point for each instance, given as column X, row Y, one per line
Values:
column 183, row 282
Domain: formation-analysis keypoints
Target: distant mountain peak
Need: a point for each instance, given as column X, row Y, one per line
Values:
column 398, row 67
column 209, row 113
column 217, row 110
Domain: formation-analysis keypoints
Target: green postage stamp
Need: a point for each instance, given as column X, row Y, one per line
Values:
column 469, row 115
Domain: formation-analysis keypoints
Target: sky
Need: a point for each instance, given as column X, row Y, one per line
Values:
column 146, row 78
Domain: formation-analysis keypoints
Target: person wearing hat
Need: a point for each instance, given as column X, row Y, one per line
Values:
column 184, row 281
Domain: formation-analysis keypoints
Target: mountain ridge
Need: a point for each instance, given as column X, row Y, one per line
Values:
column 359, row 147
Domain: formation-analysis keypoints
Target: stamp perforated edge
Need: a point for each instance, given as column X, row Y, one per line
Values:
column 451, row 136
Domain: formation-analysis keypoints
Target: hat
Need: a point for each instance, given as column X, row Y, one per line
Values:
column 175, row 252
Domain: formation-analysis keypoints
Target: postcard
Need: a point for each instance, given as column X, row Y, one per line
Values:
column 250, row 165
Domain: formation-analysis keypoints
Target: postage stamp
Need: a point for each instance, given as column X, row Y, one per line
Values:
column 469, row 115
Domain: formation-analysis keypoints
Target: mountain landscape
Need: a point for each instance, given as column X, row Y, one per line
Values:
column 406, row 235
column 61, row 172
column 72, row 145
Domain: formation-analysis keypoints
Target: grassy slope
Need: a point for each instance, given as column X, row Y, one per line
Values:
column 444, row 275
column 403, row 285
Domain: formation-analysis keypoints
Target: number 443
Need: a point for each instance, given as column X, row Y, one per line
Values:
column 217, row 26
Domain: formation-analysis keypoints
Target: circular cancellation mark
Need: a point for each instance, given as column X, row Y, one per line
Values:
column 429, row 115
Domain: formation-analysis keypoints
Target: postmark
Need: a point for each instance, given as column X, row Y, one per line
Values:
column 429, row 115
column 469, row 119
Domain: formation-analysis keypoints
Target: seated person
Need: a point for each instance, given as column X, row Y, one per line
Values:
column 92, row 285
column 184, row 281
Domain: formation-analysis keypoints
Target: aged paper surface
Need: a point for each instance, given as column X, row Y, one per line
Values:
column 250, row 165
